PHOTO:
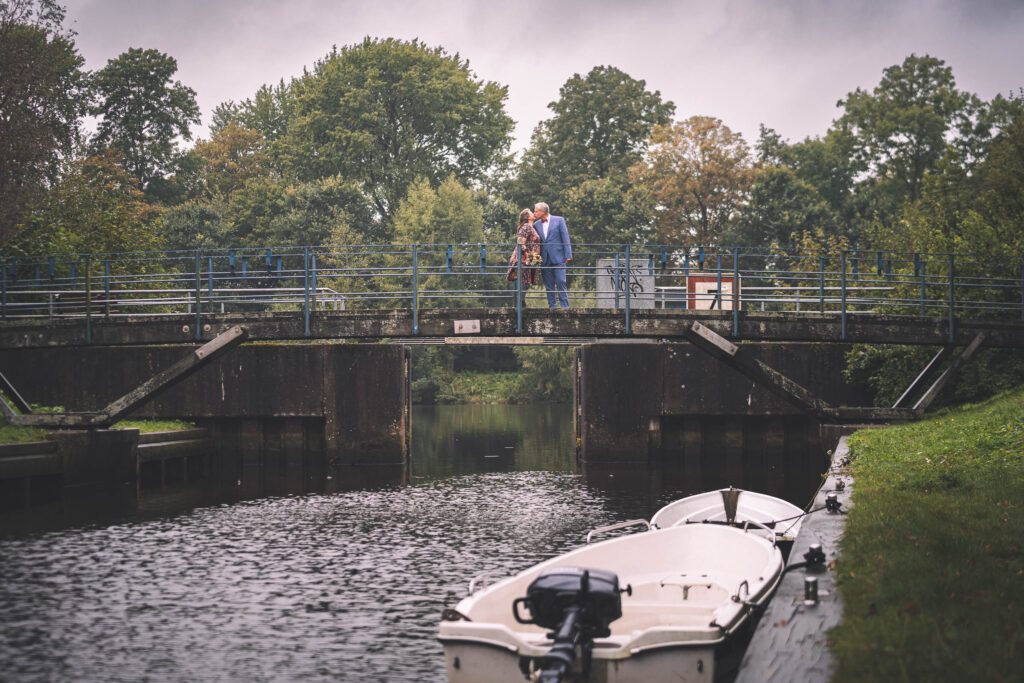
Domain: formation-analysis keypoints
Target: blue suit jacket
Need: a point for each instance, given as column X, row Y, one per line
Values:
column 556, row 249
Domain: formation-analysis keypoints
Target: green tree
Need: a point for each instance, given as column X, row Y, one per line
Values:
column 449, row 215
column 43, row 94
column 95, row 208
column 578, row 159
column 781, row 205
column 385, row 112
column 143, row 112
column 268, row 111
column 698, row 173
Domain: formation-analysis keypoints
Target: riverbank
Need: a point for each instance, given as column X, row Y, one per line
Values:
column 931, row 570
column 16, row 434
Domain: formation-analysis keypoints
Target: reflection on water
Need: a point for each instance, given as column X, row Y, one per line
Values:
column 324, row 587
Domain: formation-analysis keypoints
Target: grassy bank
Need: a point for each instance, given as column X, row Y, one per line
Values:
column 931, row 571
column 13, row 434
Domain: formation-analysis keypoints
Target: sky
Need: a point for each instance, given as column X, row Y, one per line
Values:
column 783, row 63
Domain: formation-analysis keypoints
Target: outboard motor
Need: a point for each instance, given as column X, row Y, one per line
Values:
column 577, row 605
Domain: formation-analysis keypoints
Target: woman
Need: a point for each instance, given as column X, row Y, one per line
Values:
column 529, row 241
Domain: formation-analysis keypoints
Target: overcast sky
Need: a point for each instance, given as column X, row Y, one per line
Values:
column 782, row 63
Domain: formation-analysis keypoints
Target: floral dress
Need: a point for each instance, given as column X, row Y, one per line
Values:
column 528, row 237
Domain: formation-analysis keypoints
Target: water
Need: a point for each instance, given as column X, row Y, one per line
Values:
column 340, row 587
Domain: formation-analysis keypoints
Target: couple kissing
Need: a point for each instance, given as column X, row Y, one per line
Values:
column 544, row 242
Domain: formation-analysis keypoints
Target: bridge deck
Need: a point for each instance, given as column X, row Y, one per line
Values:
column 538, row 326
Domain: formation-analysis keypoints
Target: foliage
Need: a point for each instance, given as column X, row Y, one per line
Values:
column 95, row 208
column 578, row 159
column 267, row 112
column 889, row 370
column 386, row 112
column 932, row 542
column 547, row 374
column 143, row 112
column 232, row 157
column 14, row 434
column 43, row 94
column 699, row 174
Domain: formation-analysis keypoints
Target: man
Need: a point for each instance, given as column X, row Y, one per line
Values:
column 555, row 251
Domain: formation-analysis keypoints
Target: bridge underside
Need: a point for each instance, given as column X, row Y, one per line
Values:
column 538, row 326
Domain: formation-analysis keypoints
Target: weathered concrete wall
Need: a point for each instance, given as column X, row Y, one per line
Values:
column 674, row 405
column 354, row 396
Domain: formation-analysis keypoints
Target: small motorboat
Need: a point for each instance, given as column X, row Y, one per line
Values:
column 735, row 507
column 649, row 607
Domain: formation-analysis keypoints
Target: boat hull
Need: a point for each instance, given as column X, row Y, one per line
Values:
column 482, row 663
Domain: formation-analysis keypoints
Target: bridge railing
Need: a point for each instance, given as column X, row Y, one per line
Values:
column 625, row 278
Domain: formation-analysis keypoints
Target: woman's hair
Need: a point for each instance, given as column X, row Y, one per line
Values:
column 524, row 217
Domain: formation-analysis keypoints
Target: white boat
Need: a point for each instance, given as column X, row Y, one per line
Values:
column 684, row 591
column 735, row 507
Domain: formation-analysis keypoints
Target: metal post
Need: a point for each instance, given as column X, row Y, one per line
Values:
column 209, row 282
column 198, row 295
column 415, row 291
column 3, row 291
column 106, row 288
column 821, row 284
column 305, row 289
column 1021, row 290
column 312, row 283
column 618, row 278
column 735, row 292
column 629, row 288
column 519, row 289
column 951, row 267
column 88, row 300
column 842, row 296
column 483, row 259
column 923, row 267
column 448, row 259
column 718, row 292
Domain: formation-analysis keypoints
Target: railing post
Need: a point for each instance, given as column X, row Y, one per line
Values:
column 519, row 288
column 448, row 259
column 88, row 299
column 618, row 277
column 735, row 292
column 209, row 281
column 106, row 288
column 1021, row 290
column 821, row 284
column 198, row 295
column 842, row 296
column 3, row 290
column 483, row 259
column 922, row 267
column 951, row 273
column 312, row 281
column 415, row 290
column 718, row 292
column 305, row 291
column 629, row 288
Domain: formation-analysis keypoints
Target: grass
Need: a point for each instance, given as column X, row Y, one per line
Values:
column 148, row 426
column 931, row 571
column 13, row 434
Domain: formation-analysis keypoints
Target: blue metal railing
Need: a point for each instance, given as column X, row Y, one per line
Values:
column 625, row 277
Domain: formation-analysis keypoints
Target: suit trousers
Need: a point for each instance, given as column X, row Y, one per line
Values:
column 554, row 282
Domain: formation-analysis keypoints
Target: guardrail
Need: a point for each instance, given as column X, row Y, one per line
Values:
column 419, row 276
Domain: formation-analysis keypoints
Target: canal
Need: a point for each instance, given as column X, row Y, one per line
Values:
column 341, row 587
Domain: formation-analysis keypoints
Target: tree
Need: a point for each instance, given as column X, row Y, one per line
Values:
column 900, row 129
column 95, row 208
column 781, row 205
column 698, row 173
column 268, row 112
column 578, row 160
column 43, row 94
column 232, row 157
column 600, row 128
column 385, row 112
column 449, row 215
column 143, row 112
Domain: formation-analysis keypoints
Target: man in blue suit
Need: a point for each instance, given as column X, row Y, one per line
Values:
column 555, row 251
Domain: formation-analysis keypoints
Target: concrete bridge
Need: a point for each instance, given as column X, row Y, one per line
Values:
column 509, row 326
